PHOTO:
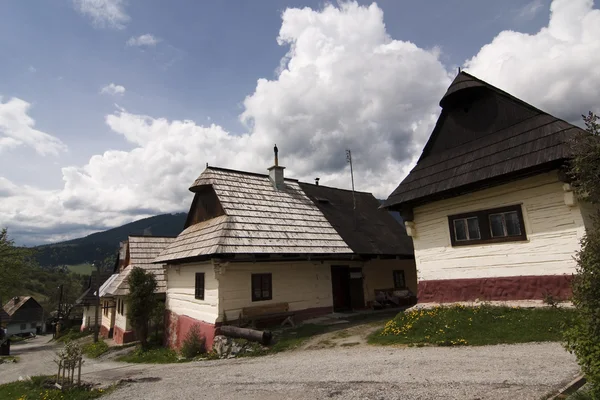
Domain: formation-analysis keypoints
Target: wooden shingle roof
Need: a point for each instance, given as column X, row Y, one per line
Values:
column 370, row 231
column 258, row 219
column 142, row 252
column 95, row 281
column 483, row 137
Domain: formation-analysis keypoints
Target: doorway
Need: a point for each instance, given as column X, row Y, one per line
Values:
column 347, row 288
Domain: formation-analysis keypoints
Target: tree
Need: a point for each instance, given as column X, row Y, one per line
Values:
column 583, row 337
column 13, row 261
column 141, row 302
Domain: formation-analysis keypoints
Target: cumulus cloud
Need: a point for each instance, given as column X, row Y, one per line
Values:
column 17, row 129
column 112, row 89
column 104, row 13
column 344, row 83
column 556, row 69
column 530, row 10
column 146, row 40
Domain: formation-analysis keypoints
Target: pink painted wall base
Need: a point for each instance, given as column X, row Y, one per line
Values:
column 502, row 288
column 121, row 337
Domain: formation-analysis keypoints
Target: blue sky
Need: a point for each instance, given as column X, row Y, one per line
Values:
column 206, row 61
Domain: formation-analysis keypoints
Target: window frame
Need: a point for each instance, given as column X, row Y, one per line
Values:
column 197, row 294
column 485, row 230
column 399, row 272
column 260, row 277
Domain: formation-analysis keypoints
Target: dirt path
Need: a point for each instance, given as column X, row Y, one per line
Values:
column 506, row 372
column 356, row 335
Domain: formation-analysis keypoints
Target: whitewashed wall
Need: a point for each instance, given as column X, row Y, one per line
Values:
column 181, row 281
column 14, row 329
column 89, row 316
column 121, row 320
column 302, row 285
column 379, row 274
column 553, row 233
column 108, row 321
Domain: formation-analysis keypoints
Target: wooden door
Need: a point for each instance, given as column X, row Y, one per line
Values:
column 340, row 287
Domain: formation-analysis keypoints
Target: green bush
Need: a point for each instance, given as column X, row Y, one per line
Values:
column 95, row 350
column 583, row 337
column 193, row 344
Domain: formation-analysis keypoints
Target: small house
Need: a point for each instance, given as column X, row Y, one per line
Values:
column 488, row 205
column 136, row 251
column 26, row 316
column 88, row 300
column 258, row 245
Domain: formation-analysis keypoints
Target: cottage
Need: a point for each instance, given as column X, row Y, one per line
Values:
column 26, row 316
column 257, row 244
column 88, row 300
column 137, row 251
column 488, row 206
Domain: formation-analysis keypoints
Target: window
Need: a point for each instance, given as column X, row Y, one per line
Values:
column 23, row 327
column 399, row 281
column 262, row 288
column 487, row 226
column 199, row 286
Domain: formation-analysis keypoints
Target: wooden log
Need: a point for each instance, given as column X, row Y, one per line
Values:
column 263, row 337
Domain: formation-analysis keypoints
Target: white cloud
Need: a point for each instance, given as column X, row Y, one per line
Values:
column 17, row 129
column 146, row 40
column 556, row 69
column 112, row 89
column 104, row 13
column 344, row 83
column 32, row 69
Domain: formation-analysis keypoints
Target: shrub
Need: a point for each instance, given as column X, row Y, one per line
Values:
column 141, row 302
column 583, row 337
column 95, row 350
column 193, row 344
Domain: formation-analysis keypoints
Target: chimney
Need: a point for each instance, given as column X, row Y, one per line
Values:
column 276, row 172
column 317, row 181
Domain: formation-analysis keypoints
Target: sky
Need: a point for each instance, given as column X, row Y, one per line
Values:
column 109, row 109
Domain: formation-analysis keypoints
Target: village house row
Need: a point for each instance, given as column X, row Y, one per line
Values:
column 488, row 214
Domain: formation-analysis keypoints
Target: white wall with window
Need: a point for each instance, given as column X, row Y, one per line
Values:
column 526, row 227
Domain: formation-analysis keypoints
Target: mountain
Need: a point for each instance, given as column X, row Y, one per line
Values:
column 98, row 246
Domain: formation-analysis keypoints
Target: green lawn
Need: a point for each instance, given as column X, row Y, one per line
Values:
column 81, row 269
column 158, row 355
column 95, row 350
column 40, row 387
column 482, row 325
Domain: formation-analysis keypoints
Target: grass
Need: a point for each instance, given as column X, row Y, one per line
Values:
column 95, row 350
column 81, row 269
column 40, row 387
column 482, row 325
column 73, row 334
column 9, row 359
column 158, row 355
column 294, row 338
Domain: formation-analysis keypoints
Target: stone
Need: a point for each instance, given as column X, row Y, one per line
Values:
column 221, row 345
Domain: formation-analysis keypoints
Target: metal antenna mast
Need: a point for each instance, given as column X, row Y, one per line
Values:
column 349, row 160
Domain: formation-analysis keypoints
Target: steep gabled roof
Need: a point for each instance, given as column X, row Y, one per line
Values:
column 142, row 252
column 374, row 231
column 14, row 304
column 96, row 280
column 484, row 136
column 258, row 219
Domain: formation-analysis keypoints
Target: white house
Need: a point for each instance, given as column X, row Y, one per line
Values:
column 26, row 316
column 488, row 206
column 259, row 244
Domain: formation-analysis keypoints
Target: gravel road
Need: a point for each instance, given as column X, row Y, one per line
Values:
column 527, row 371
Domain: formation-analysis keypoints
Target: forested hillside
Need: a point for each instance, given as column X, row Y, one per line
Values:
column 98, row 246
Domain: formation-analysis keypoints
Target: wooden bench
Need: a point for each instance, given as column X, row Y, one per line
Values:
column 254, row 314
column 394, row 297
